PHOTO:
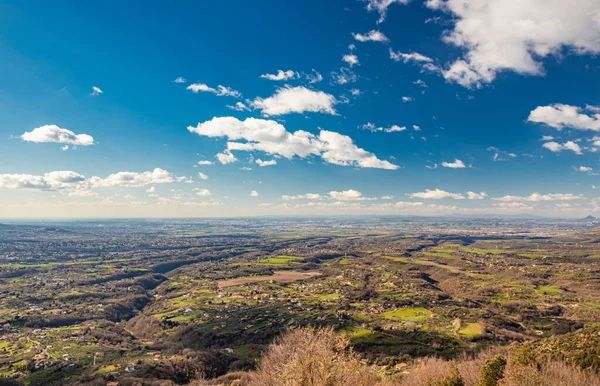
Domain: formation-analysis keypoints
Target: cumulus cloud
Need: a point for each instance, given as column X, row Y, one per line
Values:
column 281, row 75
column 307, row 196
column 557, row 147
column 585, row 169
column 436, row 194
column 219, row 91
column 96, row 91
column 371, row 36
column 351, row 59
column 534, row 197
column 457, row 164
column 296, row 100
column 226, row 157
column 407, row 99
column 55, row 134
column 272, row 137
column 560, row 116
column 202, row 176
column 349, row 195
column 476, row 196
column 134, row 179
column 203, row 192
column 180, row 79
column 261, row 163
column 254, row 193
column 205, row 162
column 392, row 129
column 76, row 184
column 514, row 35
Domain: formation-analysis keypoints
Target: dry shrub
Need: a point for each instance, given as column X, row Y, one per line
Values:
column 550, row 374
column 429, row 372
column 310, row 357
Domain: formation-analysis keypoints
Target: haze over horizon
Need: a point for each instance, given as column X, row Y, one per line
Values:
column 220, row 109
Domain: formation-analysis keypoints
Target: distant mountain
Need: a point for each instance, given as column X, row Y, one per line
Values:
column 590, row 218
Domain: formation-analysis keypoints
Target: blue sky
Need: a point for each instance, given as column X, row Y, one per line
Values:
column 498, row 98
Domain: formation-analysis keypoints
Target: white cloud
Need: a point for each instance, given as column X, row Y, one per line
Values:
column 96, row 91
column 55, row 134
column 203, row 192
column 261, row 163
column 557, row 147
column 416, row 128
column 547, row 138
column 314, row 77
column 476, row 196
column 585, row 169
column 343, row 76
column 307, row 196
column 254, row 193
column 239, row 106
column 205, row 162
column 76, row 184
column 226, row 157
column 392, row 129
column 560, row 116
column 281, row 75
column 534, row 197
column 202, row 176
column 514, row 205
column 219, row 91
column 457, row 164
column 514, row 35
column 412, row 57
column 407, row 99
column 355, row 92
column 134, row 179
column 389, row 197
column 296, row 100
column 271, row 137
column 501, row 155
column 151, row 189
column 371, row 36
column 49, row 181
column 180, row 79
column 350, row 59
column 349, row 195
column 381, row 6
column 436, row 194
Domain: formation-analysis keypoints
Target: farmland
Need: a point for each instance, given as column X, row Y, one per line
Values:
column 94, row 302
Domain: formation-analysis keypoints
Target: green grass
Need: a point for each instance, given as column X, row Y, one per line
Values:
column 481, row 251
column 471, row 330
column 440, row 254
column 416, row 314
column 532, row 255
column 329, row 296
column 548, row 289
column 395, row 258
column 345, row 261
column 280, row 261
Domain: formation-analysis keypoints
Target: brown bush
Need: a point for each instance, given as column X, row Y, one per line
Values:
column 312, row 357
column 550, row 374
